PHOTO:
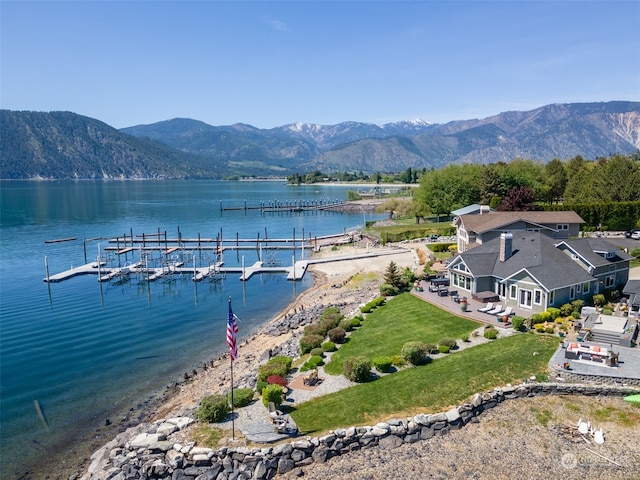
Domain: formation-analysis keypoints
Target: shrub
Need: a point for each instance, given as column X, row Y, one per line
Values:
column 359, row 318
column 275, row 366
column 448, row 342
column 357, row 369
column 544, row 316
column 330, row 311
column 443, row 349
column 337, row 335
column 415, row 353
column 241, row 397
column 599, row 300
column 539, row 328
column 491, row 333
column 260, row 386
column 383, row 364
column 576, row 315
column 566, row 309
column 607, row 311
column 329, row 347
column 549, row 330
column 317, row 352
column 536, row 319
column 398, row 361
column 346, row 325
column 553, row 313
column 577, row 305
column 355, row 322
column 272, row 393
column 313, row 362
column 388, row 290
column 309, row 342
column 315, row 329
column 213, row 409
column 517, row 323
column 431, row 348
column 281, row 360
column 277, row 380
column 465, row 338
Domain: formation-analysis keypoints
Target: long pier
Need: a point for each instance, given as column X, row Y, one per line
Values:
column 275, row 206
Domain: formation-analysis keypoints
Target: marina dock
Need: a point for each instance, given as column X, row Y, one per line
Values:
column 160, row 256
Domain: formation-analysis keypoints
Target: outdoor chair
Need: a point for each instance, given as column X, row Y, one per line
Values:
column 486, row 308
column 311, row 379
column 495, row 311
column 506, row 312
column 276, row 415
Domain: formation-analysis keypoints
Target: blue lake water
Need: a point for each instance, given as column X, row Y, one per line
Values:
column 88, row 351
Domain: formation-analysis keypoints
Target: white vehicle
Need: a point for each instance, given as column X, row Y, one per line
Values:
column 635, row 235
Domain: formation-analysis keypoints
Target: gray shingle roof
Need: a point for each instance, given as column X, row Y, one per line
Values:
column 495, row 220
column 533, row 252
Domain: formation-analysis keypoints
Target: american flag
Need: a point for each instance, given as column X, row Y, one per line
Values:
column 232, row 329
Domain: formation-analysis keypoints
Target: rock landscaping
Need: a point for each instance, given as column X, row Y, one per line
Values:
column 154, row 451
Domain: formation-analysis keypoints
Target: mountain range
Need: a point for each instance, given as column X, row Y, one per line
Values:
column 62, row 145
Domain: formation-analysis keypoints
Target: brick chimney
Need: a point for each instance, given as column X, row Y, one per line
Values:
column 506, row 246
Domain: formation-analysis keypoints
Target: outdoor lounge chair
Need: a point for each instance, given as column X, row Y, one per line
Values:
column 496, row 310
column 486, row 308
column 506, row 312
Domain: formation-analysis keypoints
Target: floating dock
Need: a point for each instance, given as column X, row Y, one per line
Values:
column 161, row 256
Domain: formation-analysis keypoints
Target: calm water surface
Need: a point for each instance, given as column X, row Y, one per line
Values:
column 88, row 351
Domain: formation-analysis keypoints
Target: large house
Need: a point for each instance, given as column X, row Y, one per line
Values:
column 531, row 270
column 483, row 225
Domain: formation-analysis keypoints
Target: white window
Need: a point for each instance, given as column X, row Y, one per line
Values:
column 562, row 226
column 608, row 282
column 551, row 295
column 572, row 292
column 537, row 297
column 513, row 292
column 585, row 287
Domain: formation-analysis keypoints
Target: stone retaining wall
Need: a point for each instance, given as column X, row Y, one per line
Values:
column 148, row 451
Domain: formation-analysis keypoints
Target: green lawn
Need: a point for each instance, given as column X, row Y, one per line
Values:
column 403, row 319
column 443, row 383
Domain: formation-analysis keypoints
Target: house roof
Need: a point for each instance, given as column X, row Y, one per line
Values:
column 531, row 252
column 632, row 288
column 589, row 248
column 469, row 209
column 495, row 220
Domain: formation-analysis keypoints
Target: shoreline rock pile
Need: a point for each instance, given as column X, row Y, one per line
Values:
column 155, row 451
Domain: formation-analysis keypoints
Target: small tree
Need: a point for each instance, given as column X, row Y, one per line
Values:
column 392, row 275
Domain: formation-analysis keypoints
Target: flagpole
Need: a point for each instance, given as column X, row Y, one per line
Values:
column 232, row 329
column 233, row 426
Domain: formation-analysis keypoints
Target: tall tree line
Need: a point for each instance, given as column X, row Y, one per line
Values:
column 528, row 184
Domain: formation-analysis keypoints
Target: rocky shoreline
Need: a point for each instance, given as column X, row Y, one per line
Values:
column 279, row 336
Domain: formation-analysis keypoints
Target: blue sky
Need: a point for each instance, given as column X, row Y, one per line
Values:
column 272, row 63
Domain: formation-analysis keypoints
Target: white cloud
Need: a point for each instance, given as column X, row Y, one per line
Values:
column 277, row 24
